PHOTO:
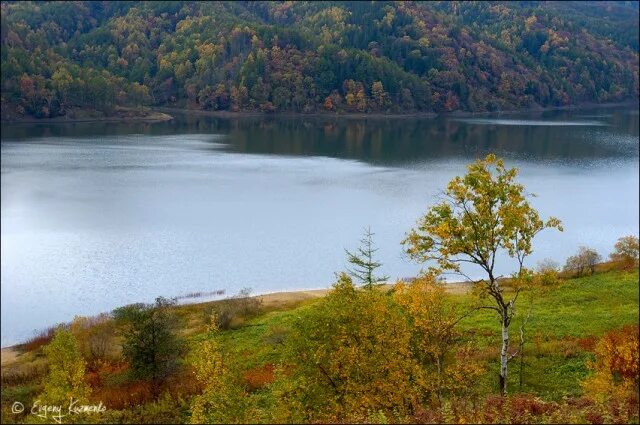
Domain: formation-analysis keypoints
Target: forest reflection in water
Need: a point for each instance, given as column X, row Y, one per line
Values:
column 549, row 136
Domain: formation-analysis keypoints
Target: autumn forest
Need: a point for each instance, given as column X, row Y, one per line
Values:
column 308, row 57
column 378, row 212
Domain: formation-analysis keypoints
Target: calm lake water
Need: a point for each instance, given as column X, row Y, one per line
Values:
column 96, row 215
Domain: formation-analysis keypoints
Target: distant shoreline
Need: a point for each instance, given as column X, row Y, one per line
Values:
column 382, row 115
column 121, row 115
column 161, row 113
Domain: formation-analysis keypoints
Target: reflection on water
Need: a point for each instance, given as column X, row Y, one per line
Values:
column 390, row 141
column 98, row 215
column 532, row 122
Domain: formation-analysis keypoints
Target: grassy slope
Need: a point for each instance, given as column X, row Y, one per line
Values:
column 563, row 327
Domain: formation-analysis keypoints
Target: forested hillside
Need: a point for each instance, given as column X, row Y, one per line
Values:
column 316, row 56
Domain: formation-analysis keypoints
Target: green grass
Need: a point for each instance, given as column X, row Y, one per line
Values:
column 564, row 325
column 562, row 320
column 587, row 306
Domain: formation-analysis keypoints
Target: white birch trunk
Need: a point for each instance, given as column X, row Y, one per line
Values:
column 504, row 359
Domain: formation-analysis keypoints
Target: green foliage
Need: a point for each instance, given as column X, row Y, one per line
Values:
column 363, row 263
column 165, row 410
column 151, row 344
column 221, row 400
column 436, row 338
column 270, row 56
column 566, row 325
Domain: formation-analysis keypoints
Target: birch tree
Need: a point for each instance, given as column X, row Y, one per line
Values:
column 481, row 217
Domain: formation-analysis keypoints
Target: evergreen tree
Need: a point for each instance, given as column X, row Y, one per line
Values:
column 363, row 263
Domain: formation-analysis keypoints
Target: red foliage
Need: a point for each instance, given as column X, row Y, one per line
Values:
column 39, row 340
column 588, row 343
column 620, row 363
column 259, row 377
column 123, row 396
column 182, row 384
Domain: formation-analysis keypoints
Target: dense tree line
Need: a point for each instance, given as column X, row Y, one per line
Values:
column 317, row 56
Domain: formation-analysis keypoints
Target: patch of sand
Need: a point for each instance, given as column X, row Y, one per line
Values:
column 277, row 299
column 8, row 355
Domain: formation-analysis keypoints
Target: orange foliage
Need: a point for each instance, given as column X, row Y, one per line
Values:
column 527, row 409
column 123, row 396
column 259, row 377
column 39, row 340
column 616, row 367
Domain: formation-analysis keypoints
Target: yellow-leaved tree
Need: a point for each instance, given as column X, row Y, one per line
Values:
column 221, row 400
column 482, row 216
column 435, row 341
column 66, row 378
column 615, row 374
column 351, row 356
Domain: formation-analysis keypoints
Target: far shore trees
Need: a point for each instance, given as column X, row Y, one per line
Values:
column 482, row 215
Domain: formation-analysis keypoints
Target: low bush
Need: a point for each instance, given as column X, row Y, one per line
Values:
column 230, row 313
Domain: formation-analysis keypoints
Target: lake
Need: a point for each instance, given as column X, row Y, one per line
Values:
column 99, row 215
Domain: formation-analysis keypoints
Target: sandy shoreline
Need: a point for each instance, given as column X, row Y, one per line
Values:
column 272, row 300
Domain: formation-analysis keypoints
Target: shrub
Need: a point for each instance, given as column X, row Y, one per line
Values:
column 259, row 377
column 547, row 265
column 615, row 370
column 166, row 410
column 95, row 335
column 66, row 378
column 151, row 345
column 351, row 354
column 434, row 336
column 231, row 311
column 222, row 400
column 24, row 373
column 41, row 338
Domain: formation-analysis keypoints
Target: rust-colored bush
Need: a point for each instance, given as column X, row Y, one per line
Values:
column 41, row 339
column 124, row 396
column 259, row 377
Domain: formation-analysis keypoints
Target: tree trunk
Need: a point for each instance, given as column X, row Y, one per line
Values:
column 504, row 353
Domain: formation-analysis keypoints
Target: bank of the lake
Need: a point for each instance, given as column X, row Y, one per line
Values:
column 564, row 321
column 630, row 103
column 77, row 115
